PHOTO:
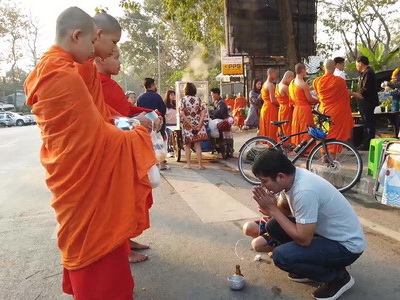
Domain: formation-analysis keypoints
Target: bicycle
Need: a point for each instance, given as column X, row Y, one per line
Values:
column 335, row 160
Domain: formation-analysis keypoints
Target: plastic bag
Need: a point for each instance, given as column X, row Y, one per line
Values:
column 158, row 145
column 154, row 176
column 214, row 132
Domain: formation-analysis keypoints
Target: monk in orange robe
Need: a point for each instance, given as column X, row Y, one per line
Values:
column 285, row 108
column 299, row 93
column 335, row 102
column 115, row 97
column 239, row 110
column 97, row 174
column 269, row 110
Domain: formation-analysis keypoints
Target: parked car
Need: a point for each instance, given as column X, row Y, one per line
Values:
column 32, row 118
column 17, row 119
column 5, row 121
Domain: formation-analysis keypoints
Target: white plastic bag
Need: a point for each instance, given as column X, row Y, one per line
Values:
column 154, row 176
column 158, row 145
column 214, row 132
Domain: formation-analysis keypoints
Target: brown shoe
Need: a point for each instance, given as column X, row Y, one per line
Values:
column 334, row 289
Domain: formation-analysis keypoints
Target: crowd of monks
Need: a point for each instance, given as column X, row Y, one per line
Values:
column 292, row 100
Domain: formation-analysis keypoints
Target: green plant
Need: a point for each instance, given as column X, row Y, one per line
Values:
column 377, row 58
column 387, row 104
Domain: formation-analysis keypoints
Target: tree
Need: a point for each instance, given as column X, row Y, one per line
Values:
column 291, row 41
column 32, row 34
column 200, row 20
column 146, row 32
column 368, row 22
column 14, row 24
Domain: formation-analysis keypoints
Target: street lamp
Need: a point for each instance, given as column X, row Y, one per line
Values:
column 158, row 49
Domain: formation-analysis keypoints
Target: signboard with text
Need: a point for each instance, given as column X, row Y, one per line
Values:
column 232, row 65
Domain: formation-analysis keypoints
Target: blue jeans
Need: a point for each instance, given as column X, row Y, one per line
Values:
column 322, row 261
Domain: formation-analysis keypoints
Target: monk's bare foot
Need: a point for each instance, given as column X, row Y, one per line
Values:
column 137, row 257
column 187, row 167
column 136, row 245
column 201, row 167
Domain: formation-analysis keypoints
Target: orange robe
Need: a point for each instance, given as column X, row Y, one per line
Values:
column 238, row 111
column 285, row 111
column 230, row 102
column 335, row 102
column 96, row 173
column 268, row 113
column 115, row 98
column 302, row 113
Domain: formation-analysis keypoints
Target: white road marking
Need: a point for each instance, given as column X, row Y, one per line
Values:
column 380, row 229
column 54, row 234
column 210, row 203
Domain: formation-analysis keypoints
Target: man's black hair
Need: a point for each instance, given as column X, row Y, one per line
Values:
column 363, row 59
column 338, row 60
column 148, row 82
column 271, row 162
column 216, row 91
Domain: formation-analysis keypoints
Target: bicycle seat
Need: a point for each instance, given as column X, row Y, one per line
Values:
column 277, row 123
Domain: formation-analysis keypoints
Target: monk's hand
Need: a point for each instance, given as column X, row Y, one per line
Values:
column 266, row 200
column 145, row 121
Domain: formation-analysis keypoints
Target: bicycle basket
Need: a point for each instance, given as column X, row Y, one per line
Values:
column 316, row 133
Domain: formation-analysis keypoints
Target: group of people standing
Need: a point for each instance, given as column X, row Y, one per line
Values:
column 291, row 99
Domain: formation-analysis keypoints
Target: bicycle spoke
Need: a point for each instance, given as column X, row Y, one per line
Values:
column 343, row 168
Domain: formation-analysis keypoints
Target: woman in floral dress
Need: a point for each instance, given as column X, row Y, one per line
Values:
column 192, row 114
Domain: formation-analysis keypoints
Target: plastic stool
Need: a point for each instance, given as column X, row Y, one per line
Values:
column 374, row 155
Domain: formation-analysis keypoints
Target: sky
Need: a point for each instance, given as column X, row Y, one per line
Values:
column 47, row 12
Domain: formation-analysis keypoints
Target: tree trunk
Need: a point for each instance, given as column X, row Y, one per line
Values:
column 289, row 37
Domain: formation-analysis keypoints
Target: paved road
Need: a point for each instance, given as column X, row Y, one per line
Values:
column 196, row 223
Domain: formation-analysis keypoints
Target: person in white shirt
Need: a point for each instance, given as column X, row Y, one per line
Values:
column 322, row 237
column 339, row 67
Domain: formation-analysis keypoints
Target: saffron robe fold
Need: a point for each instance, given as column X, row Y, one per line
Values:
column 238, row 111
column 97, row 173
column 285, row 111
column 335, row 102
column 115, row 98
column 268, row 113
column 302, row 113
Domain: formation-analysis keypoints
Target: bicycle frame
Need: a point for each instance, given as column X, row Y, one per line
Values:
column 302, row 150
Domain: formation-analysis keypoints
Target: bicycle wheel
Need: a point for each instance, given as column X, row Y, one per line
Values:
column 341, row 165
column 248, row 154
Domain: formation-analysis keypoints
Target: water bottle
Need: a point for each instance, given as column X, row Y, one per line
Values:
column 300, row 146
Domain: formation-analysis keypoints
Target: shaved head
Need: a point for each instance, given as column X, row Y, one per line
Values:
column 329, row 65
column 71, row 19
column 107, row 23
column 298, row 68
column 271, row 71
column 288, row 75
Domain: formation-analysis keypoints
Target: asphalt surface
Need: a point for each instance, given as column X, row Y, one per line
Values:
column 191, row 253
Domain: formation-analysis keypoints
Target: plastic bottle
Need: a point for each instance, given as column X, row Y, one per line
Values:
column 238, row 272
column 300, row 146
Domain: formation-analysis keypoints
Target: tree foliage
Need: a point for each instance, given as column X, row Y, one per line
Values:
column 366, row 22
column 18, row 32
column 200, row 20
column 146, row 32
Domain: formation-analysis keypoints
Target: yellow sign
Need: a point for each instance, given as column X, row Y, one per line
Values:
column 232, row 65
column 232, row 69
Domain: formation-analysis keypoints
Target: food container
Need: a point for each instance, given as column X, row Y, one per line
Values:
column 236, row 282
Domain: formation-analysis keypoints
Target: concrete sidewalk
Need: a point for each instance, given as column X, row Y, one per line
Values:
column 364, row 187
